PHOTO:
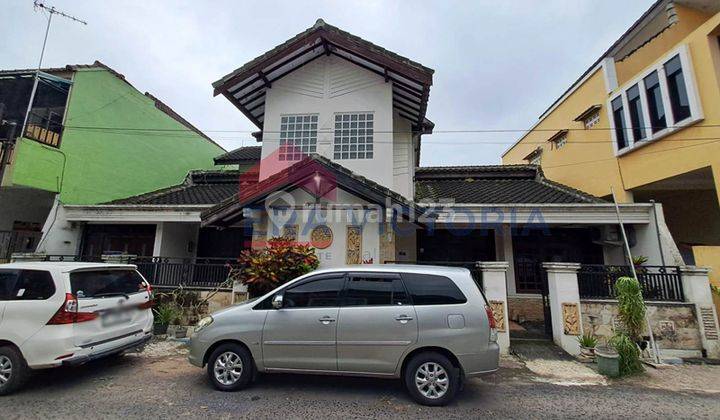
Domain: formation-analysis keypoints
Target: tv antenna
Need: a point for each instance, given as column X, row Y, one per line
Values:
column 51, row 10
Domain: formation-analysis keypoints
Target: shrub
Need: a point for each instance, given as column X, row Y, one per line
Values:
column 166, row 313
column 279, row 262
column 631, row 311
column 587, row 340
column 631, row 307
column 629, row 354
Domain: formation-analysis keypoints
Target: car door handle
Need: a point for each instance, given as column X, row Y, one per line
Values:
column 403, row 319
column 326, row 320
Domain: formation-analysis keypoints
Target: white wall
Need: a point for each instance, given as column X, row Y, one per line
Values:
column 173, row 239
column 403, row 158
column 334, row 255
column 60, row 237
column 647, row 241
column 331, row 85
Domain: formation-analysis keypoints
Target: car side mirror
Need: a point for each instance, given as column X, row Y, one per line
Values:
column 277, row 301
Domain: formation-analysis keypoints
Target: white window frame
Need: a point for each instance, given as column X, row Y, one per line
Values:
column 289, row 155
column 365, row 143
column 696, row 112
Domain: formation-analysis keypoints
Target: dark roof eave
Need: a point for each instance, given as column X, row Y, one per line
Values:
column 328, row 33
column 231, row 209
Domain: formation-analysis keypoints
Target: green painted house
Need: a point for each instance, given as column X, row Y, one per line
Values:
column 91, row 137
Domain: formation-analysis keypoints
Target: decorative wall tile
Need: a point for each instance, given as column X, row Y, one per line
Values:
column 321, row 236
column 571, row 318
column 707, row 318
column 353, row 246
column 290, row 232
column 498, row 308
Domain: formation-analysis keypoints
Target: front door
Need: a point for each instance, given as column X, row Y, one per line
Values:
column 377, row 324
column 302, row 334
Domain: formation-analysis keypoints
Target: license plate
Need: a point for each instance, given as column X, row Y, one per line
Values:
column 115, row 318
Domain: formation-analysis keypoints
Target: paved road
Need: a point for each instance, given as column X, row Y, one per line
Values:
column 168, row 387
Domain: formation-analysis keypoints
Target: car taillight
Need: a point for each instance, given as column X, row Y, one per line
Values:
column 491, row 317
column 68, row 313
column 493, row 326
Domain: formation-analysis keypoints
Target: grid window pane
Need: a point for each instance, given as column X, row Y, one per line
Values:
column 298, row 136
column 353, row 136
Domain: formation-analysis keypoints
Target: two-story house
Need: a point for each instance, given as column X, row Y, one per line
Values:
column 340, row 121
column 90, row 137
column 644, row 119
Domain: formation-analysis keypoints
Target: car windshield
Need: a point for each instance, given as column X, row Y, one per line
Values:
column 88, row 284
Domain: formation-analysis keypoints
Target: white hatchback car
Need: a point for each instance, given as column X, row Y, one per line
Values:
column 54, row 314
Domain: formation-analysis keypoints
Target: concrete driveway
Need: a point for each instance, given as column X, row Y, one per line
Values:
column 161, row 384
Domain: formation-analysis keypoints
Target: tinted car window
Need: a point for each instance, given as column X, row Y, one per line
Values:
column 8, row 278
column 375, row 291
column 428, row 289
column 88, row 284
column 315, row 293
column 33, row 285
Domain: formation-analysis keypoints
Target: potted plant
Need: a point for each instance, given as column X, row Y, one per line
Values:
column 587, row 344
column 639, row 260
column 608, row 361
column 165, row 314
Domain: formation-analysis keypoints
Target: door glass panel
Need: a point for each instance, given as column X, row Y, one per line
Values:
column 314, row 294
column 8, row 278
column 33, row 285
column 373, row 291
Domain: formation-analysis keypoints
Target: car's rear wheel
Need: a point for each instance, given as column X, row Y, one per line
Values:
column 431, row 379
column 13, row 370
column 230, row 367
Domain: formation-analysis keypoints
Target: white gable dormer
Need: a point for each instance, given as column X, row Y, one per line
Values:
column 328, row 92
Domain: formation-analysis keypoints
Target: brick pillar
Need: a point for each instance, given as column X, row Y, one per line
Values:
column 494, row 278
column 564, row 305
column 696, row 288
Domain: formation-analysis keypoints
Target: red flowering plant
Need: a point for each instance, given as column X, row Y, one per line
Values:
column 282, row 260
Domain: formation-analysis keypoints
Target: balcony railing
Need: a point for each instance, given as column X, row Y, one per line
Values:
column 658, row 283
column 45, row 129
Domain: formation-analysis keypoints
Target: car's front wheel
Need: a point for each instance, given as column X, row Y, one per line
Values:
column 431, row 379
column 13, row 370
column 230, row 367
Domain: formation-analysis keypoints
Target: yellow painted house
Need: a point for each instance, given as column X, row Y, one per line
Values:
column 644, row 119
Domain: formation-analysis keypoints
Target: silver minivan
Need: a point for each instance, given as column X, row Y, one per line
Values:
column 430, row 326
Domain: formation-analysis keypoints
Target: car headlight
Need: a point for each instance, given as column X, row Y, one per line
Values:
column 203, row 323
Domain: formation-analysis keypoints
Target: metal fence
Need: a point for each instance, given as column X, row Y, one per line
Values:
column 190, row 273
column 658, row 283
column 169, row 272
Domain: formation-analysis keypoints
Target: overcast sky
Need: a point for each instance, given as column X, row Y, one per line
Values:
column 498, row 64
